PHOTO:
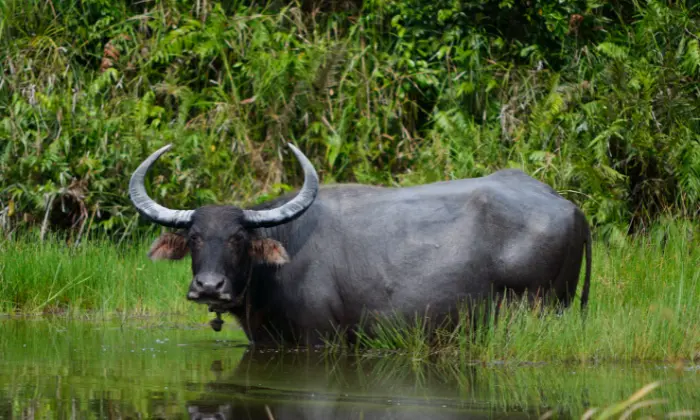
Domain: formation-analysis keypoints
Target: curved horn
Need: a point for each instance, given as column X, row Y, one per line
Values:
column 292, row 209
column 149, row 208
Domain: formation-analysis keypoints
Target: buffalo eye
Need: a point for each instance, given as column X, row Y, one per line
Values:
column 235, row 240
column 195, row 240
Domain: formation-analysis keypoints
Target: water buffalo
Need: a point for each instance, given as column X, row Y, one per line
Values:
column 305, row 265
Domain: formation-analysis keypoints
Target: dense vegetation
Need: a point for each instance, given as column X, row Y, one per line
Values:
column 599, row 99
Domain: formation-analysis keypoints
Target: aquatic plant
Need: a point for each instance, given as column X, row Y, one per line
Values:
column 627, row 408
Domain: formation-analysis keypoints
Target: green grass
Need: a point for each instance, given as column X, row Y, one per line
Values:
column 643, row 305
column 95, row 278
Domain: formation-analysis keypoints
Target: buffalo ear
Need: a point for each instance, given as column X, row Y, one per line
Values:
column 268, row 251
column 169, row 246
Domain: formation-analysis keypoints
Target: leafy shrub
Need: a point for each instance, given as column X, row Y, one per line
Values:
column 598, row 99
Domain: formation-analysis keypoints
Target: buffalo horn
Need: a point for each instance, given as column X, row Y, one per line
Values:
column 149, row 208
column 292, row 209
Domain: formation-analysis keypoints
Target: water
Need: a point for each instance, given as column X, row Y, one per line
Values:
column 166, row 369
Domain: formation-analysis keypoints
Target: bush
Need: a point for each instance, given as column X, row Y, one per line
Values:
column 598, row 99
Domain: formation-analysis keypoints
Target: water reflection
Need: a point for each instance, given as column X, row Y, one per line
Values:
column 68, row 369
column 312, row 386
column 299, row 411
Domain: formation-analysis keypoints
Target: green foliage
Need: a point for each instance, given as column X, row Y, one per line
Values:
column 598, row 99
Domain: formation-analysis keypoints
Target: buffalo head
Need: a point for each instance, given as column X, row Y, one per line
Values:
column 223, row 240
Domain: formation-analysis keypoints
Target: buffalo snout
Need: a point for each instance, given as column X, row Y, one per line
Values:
column 210, row 286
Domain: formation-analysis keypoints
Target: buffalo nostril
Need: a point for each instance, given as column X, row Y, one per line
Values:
column 220, row 285
column 198, row 283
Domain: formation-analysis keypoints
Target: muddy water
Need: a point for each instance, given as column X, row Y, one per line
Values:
column 157, row 369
